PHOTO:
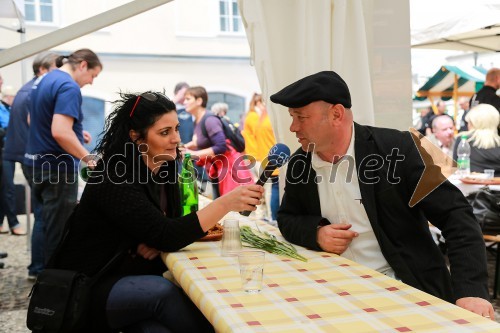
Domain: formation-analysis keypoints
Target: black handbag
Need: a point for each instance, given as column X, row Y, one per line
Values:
column 486, row 207
column 59, row 299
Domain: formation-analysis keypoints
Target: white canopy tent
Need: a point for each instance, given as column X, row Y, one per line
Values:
column 471, row 26
column 366, row 42
column 76, row 30
column 11, row 8
column 15, row 9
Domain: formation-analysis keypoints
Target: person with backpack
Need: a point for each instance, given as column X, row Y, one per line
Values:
column 225, row 166
column 231, row 130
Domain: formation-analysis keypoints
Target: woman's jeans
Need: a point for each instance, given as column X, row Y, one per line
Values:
column 57, row 192
column 152, row 304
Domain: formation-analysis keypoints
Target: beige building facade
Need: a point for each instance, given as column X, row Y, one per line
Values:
column 201, row 42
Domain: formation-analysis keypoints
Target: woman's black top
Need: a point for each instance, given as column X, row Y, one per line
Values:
column 120, row 206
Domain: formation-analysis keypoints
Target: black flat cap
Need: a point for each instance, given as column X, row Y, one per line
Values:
column 325, row 86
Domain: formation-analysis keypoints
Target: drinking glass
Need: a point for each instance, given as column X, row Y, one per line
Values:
column 251, row 270
column 490, row 173
column 231, row 240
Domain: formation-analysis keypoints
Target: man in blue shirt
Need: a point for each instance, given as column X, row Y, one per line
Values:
column 186, row 121
column 15, row 147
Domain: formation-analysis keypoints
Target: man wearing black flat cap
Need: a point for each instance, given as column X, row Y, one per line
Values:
column 348, row 190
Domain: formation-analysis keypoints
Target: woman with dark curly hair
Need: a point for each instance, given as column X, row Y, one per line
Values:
column 132, row 197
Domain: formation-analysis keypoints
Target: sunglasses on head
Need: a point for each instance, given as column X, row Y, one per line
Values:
column 152, row 97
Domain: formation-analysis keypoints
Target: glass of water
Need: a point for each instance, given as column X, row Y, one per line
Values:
column 231, row 238
column 251, row 270
column 489, row 173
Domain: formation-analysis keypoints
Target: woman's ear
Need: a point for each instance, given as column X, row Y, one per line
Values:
column 83, row 65
column 199, row 101
column 134, row 136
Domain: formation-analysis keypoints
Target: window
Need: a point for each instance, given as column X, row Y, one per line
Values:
column 235, row 104
column 39, row 11
column 93, row 119
column 230, row 19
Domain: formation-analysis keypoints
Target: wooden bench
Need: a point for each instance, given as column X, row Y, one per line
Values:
column 494, row 240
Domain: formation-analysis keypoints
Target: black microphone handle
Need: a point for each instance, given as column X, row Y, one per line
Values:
column 264, row 176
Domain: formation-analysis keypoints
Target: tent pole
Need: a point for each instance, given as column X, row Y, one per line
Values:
column 75, row 30
column 433, row 106
column 22, row 35
column 455, row 100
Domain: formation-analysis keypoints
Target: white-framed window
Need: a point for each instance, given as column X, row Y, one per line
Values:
column 229, row 17
column 39, row 11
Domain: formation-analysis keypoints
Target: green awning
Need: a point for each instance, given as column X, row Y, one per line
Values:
column 470, row 80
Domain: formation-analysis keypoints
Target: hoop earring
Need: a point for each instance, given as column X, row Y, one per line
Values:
column 143, row 148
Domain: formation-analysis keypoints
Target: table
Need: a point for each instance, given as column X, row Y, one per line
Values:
column 466, row 189
column 326, row 294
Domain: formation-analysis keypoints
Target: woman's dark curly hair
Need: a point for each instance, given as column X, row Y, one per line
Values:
column 136, row 112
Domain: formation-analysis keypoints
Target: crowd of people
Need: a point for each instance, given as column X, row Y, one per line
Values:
column 478, row 122
column 146, row 135
column 42, row 130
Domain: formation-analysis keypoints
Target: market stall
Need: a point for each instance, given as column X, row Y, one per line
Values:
column 452, row 82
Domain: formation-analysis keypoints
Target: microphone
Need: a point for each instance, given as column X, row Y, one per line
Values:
column 277, row 157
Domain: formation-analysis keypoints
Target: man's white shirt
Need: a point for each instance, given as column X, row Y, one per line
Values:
column 340, row 200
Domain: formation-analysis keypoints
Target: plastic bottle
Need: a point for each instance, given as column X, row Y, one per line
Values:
column 189, row 186
column 463, row 157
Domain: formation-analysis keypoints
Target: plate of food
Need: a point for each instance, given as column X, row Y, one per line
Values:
column 214, row 234
column 472, row 179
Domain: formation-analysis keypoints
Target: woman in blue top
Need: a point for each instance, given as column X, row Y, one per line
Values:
column 55, row 142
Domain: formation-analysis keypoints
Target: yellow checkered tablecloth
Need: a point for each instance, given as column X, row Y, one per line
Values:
column 326, row 294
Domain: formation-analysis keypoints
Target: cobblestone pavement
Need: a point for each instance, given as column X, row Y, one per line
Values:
column 15, row 287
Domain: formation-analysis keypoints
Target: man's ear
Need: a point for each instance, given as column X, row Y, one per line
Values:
column 134, row 136
column 337, row 112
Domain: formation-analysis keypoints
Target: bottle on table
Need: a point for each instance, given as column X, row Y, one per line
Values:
column 85, row 173
column 189, row 186
column 463, row 157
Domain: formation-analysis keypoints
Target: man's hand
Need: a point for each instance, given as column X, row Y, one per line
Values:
column 147, row 252
column 477, row 305
column 335, row 238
